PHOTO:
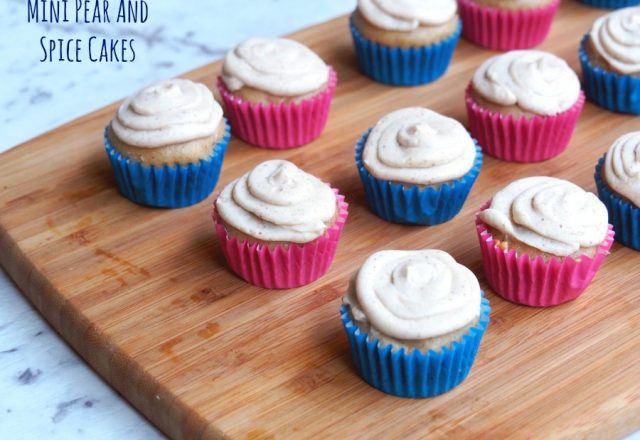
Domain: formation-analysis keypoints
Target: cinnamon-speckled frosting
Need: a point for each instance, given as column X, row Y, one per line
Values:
column 616, row 37
column 549, row 214
column 277, row 66
column 414, row 295
column 407, row 15
column 166, row 113
column 419, row 146
column 536, row 81
column 622, row 167
column 277, row 201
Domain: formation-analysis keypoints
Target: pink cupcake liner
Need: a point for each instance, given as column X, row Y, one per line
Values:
column 282, row 267
column 279, row 126
column 502, row 29
column 536, row 282
column 523, row 138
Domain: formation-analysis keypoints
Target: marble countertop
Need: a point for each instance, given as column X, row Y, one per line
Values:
column 46, row 390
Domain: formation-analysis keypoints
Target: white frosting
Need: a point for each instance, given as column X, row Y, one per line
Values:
column 419, row 146
column 168, row 112
column 616, row 37
column 277, row 201
column 413, row 295
column 407, row 15
column 277, row 66
column 549, row 214
column 535, row 81
column 622, row 167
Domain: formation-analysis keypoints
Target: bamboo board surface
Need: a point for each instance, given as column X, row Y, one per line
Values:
column 145, row 297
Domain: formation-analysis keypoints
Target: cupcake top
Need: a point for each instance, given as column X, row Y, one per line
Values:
column 277, row 66
column 549, row 214
column 419, row 146
column 622, row 167
column 277, row 201
column 536, row 81
column 414, row 295
column 407, row 15
column 616, row 38
column 167, row 113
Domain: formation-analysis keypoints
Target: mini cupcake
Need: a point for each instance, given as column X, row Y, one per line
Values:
column 542, row 240
column 610, row 59
column 279, row 226
column 277, row 92
column 405, row 43
column 618, row 182
column 414, row 321
column 507, row 24
column 166, row 144
column 417, row 166
column 523, row 106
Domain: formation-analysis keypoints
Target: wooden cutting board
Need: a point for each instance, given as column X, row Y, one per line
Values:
column 145, row 297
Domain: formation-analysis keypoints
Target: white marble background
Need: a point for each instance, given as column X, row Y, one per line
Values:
column 46, row 390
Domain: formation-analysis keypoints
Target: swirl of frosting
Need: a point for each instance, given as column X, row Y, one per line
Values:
column 622, row 166
column 168, row 112
column 535, row 81
column 419, row 146
column 277, row 201
column 407, row 15
column 616, row 37
column 274, row 65
column 412, row 295
column 549, row 214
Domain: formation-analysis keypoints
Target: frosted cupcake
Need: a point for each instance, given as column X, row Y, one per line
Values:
column 414, row 311
column 279, row 226
column 542, row 240
column 610, row 59
column 417, row 166
column 166, row 144
column 277, row 92
column 523, row 106
column 405, row 43
column 507, row 24
column 618, row 182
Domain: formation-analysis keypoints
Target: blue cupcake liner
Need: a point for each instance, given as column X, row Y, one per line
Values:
column 167, row 186
column 414, row 373
column 610, row 4
column 399, row 66
column 618, row 93
column 623, row 215
column 404, row 204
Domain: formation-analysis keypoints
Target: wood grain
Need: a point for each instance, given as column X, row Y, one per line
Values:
column 145, row 297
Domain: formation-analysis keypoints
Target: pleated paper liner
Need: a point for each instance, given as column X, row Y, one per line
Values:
column 400, row 66
column 523, row 138
column 174, row 186
column 533, row 281
column 610, row 4
column 282, row 267
column 614, row 92
column 279, row 126
column 504, row 29
column 623, row 215
column 409, row 204
column 414, row 373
